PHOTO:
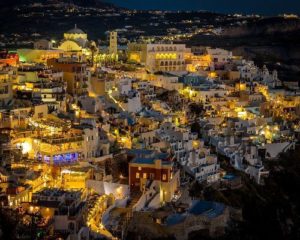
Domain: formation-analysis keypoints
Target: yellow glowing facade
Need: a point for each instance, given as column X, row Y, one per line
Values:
column 263, row 90
column 38, row 55
column 241, row 87
column 188, row 93
column 5, row 87
column 74, row 36
column 270, row 132
column 75, row 41
column 158, row 57
column 166, row 56
column 57, row 150
column 75, row 179
column 243, row 113
column 70, row 46
column 195, row 62
column 213, row 74
column 135, row 57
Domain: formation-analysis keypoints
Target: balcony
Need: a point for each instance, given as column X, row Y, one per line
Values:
column 61, row 140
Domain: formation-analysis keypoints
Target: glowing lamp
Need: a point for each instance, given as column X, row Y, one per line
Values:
column 26, row 147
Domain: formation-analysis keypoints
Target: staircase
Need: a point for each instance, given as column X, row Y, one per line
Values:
column 135, row 195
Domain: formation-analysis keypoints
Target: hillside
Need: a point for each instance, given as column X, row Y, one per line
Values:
column 271, row 211
column 271, row 41
column 84, row 3
column 264, row 27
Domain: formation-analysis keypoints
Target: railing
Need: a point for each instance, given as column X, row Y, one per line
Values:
column 155, row 200
column 140, row 203
column 62, row 140
column 152, row 199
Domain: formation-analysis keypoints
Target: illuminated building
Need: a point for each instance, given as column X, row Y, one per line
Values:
column 196, row 62
column 43, row 44
column 75, row 40
column 75, row 178
column 38, row 55
column 248, row 71
column 75, row 33
column 158, row 57
column 18, row 194
column 193, row 79
column 59, row 150
column 233, row 75
column 5, row 88
column 219, row 56
column 113, row 43
column 19, row 116
column 75, row 74
column 147, row 165
column 9, row 58
column 41, row 86
column 203, row 165
column 98, row 85
column 131, row 102
column 51, row 141
column 65, row 207
column 51, row 93
column 168, row 82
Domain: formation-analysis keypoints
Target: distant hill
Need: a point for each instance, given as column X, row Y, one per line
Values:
column 264, row 26
column 274, row 42
column 52, row 17
column 84, row 3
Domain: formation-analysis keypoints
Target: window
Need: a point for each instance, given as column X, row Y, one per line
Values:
column 140, row 168
column 137, row 175
column 164, row 177
column 144, row 175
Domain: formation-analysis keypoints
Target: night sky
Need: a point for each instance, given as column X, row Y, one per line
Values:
column 267, row 7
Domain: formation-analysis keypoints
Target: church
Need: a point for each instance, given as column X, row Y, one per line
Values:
column 75, row 40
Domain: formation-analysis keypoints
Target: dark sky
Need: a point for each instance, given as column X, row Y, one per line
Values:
column 267, row 7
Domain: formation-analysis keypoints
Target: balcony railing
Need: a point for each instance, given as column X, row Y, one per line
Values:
column 62, row 140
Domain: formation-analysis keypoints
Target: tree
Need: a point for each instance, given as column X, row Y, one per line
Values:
column 196, row 128
column 196, row 190
column 196, row 109
column 93, row 48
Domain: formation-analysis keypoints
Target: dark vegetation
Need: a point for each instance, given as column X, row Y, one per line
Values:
column 271, row 211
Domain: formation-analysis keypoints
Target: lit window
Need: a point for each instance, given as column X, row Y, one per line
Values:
column 140, row 168
column 145, row 175
column 164, row 177
column 137, row 175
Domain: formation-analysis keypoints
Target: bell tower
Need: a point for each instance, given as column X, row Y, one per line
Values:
column 113, row 43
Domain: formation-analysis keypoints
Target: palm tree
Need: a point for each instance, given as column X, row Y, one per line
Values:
column 94, row 49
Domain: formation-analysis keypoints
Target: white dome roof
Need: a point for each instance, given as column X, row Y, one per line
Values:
column 76, row 30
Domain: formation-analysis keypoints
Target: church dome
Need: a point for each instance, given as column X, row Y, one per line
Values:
column 75, row 34
column 76, row 31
